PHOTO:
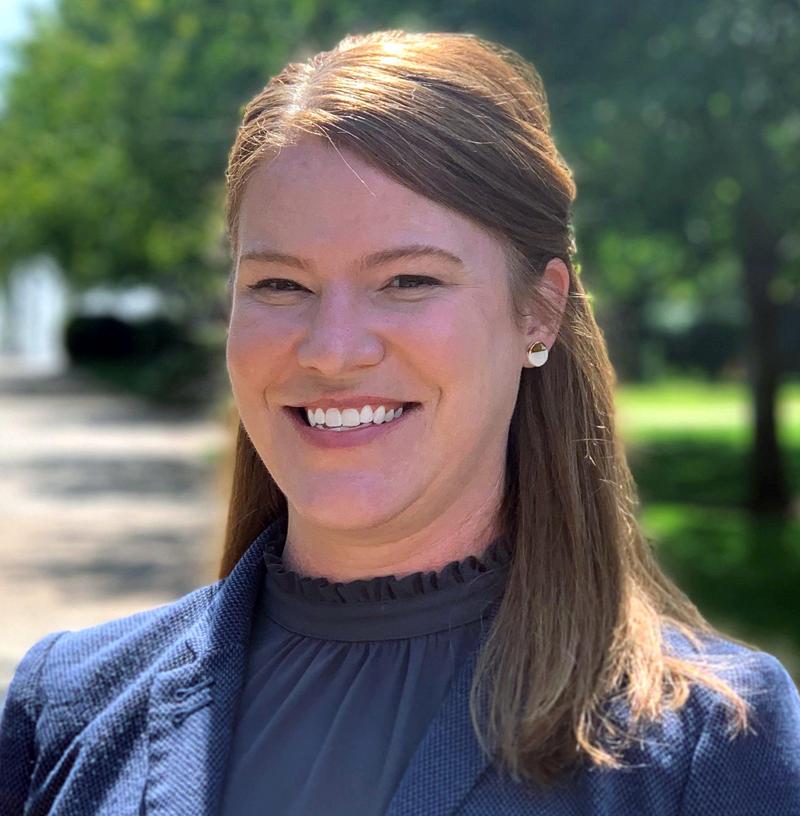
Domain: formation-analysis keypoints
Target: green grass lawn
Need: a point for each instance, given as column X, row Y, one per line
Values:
column 688, row 445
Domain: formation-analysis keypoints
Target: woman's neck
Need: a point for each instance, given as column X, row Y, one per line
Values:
column 400, row 546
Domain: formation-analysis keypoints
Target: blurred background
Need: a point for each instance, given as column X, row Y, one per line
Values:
column 681, row 123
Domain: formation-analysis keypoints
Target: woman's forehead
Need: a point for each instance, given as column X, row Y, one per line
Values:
column 313, row 176
column 313, row 195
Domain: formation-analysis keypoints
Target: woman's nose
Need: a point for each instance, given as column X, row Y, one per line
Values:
column 339, row 338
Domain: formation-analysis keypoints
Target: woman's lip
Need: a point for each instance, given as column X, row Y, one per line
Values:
column 347, row 439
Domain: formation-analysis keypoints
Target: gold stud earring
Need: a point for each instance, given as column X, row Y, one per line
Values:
column 537, row 354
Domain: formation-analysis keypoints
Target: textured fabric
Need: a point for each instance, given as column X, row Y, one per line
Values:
column 689, row 766
column 346, row 677
column 135, row 716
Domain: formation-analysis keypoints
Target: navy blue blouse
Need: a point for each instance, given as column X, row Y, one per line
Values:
column 344, row 678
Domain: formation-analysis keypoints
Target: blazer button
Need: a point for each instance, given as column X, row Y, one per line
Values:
column 182, row 692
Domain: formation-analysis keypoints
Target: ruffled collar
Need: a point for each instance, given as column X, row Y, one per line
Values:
column 383, row 607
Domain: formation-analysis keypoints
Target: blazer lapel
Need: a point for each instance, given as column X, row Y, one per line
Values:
column 193, row 698
column 192, row 708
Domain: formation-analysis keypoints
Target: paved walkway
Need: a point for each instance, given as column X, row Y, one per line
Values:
column 107, row 506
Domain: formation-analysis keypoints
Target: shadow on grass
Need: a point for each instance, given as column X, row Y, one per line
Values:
column 698, row 468
column 102, row 564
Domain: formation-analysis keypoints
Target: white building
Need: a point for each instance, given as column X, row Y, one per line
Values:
column 36, row 303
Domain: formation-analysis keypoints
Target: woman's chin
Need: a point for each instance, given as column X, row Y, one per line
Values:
column 340, row 509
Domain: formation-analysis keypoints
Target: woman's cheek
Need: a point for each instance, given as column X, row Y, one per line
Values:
column 442, row 331
column 250, row 349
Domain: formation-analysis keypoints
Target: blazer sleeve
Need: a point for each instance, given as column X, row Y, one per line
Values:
column 21, row 710
column 755, row 773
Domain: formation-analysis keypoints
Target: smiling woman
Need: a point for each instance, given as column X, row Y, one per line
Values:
column 339, row 326
column 434, row 597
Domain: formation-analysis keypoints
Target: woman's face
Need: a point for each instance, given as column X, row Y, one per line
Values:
column 331, row 308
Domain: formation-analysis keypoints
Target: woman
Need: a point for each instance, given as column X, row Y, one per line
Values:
column 434, row 597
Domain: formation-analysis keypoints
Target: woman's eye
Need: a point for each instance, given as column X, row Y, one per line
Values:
column 266, row 284
column 426, row 281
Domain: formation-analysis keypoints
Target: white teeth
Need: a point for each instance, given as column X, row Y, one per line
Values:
column 335, row 419
column 351, row 417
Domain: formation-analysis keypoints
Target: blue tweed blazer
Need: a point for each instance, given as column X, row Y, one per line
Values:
column 135, row 716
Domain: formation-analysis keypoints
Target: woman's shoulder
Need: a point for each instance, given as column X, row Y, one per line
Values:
column 689, row 763
column 113, row 656
column 719, row 649
column 57, row 666
column 756, row 675
column 752, row 770
column 760, row 679
column 99, row 677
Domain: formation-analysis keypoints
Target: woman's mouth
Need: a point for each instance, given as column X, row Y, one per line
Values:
column 344, row 420
column 378, row 426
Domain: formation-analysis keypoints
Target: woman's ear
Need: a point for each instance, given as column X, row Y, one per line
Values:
column 552, row 293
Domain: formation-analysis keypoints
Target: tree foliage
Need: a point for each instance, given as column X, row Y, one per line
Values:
column 116, row 130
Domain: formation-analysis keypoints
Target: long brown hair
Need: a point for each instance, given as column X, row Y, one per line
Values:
column 466, row 122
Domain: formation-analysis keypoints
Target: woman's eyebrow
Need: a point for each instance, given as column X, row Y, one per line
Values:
column 384, row 256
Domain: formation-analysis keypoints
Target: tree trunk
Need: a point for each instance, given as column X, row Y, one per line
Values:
column 769, row 491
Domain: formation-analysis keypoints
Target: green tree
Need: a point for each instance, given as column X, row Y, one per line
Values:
column 681, row 123
column 116, row 129
column 711, row 117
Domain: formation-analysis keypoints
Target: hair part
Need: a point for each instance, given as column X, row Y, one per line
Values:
column 465, row 122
